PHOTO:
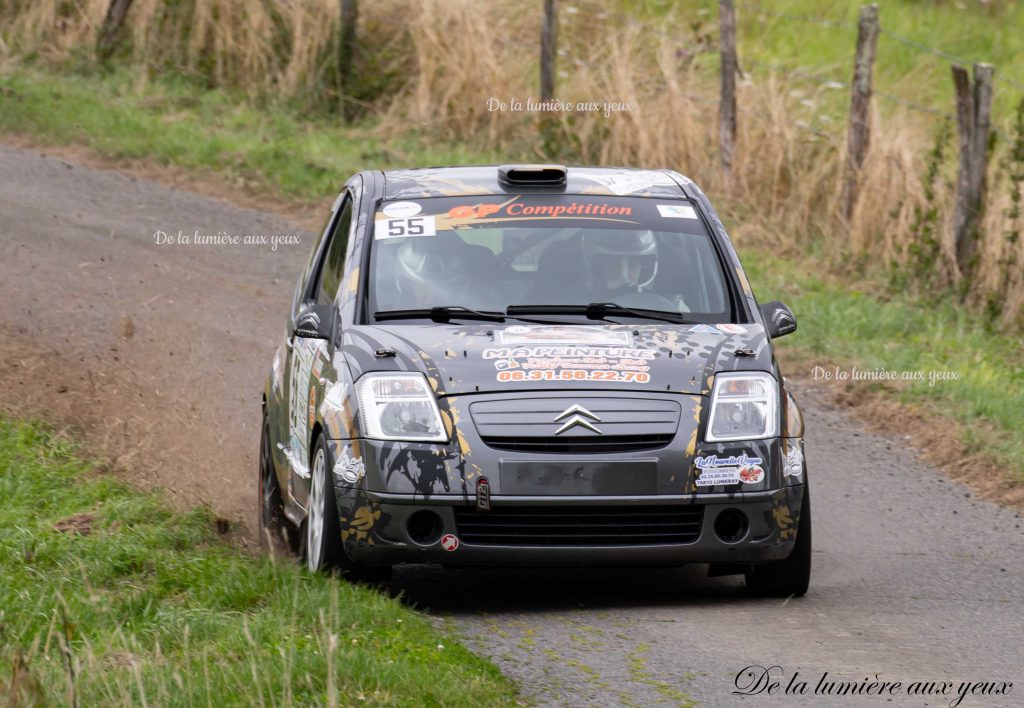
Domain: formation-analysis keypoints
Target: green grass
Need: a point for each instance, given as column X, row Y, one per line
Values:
column 152, row 606
column 174, row 123
column 961, row 29
column 874, row 328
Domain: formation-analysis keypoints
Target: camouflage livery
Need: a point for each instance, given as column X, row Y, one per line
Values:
column 379, row 485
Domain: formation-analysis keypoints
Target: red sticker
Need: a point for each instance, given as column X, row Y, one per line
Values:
column 449, row 542
column 752, row 474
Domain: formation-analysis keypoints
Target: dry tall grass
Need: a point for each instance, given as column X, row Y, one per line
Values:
column 447, row 57
column 281, row 48
column 785, row 185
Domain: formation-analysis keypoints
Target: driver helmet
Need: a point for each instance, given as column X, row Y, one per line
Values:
column 617, row 259
column 428, row 265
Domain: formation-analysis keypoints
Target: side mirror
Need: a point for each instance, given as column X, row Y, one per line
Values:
column 778, row 318
column 315, row 321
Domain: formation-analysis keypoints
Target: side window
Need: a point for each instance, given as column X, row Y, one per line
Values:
column 302, row 286
column 333, row 268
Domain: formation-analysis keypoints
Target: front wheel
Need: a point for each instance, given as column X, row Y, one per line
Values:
column 792, row 576
column 323, row 533
column 323, row 547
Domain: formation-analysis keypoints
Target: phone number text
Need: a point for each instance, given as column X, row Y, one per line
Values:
column 574, row 375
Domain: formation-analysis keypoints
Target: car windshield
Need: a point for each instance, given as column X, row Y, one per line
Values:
column 487, row 253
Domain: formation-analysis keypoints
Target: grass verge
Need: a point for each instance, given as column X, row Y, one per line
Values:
column 109, row 598
column 173, row 123
column 865, row 329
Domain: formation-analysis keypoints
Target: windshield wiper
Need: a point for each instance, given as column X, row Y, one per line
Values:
column 443, row 313
column 596, row 311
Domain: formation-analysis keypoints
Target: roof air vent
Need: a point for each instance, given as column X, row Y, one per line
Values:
column 538, row 175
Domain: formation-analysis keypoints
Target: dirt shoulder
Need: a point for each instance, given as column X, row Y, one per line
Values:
column 154, row 353
column 934, row 438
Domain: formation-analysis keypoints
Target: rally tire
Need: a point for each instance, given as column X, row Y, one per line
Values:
column 272, row 523
column 792, row 576
column 327, row 553
column 322, row 532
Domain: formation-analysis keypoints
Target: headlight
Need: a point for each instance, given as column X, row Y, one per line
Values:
column 399, row 407
column 744, row 406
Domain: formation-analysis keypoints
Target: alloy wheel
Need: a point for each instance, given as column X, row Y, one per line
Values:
column 315, row 522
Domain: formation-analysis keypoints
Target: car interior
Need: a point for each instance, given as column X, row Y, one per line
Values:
column 492, row 268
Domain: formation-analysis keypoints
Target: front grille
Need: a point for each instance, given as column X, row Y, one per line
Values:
column 579, row 445
column 579, row 525
column 528, row 422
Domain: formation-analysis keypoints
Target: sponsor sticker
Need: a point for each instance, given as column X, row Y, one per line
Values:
column 277, row 366
column 794, row 464
column 704, row 329
column 335, row 396
column 677, row 211
column 306, row 350
column 405, row 227
column 604, row 375
column 720, row 475
column 548, row 359
column 728, row 470
column 713, row 461
column 350, row 469
column 595, row 336
column 729, row 328
column 517, row 210
column 631, row 182
column 751, row 474
column 449, row 542
column 402, row 209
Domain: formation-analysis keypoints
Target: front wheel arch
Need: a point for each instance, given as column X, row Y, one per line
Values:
column 792, row 575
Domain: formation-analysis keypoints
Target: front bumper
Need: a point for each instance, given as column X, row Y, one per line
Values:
column 510, row 441
column 376, row 530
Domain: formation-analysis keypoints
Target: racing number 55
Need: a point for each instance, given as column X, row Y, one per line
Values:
column 411, row 226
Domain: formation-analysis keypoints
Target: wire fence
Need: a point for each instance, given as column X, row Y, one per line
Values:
column 885, row 33
column 763, row 11
column 945, row 55
column 596, row 23
column 832, row 82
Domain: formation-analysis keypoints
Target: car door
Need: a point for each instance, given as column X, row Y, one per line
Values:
column 309, row 357
column 280, row 418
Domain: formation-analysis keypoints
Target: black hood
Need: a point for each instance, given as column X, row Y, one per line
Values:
column 486, row 357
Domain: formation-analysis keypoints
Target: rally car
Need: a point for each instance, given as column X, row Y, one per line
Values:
column 530, row 365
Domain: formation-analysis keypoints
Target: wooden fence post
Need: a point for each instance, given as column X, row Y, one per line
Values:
column 106, row 40
column 858, row 136
column 727, row 103
column 973, row 119
column 346, row 51
column 548, row 50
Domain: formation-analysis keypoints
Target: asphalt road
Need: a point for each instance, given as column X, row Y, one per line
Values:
column 156, row 354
